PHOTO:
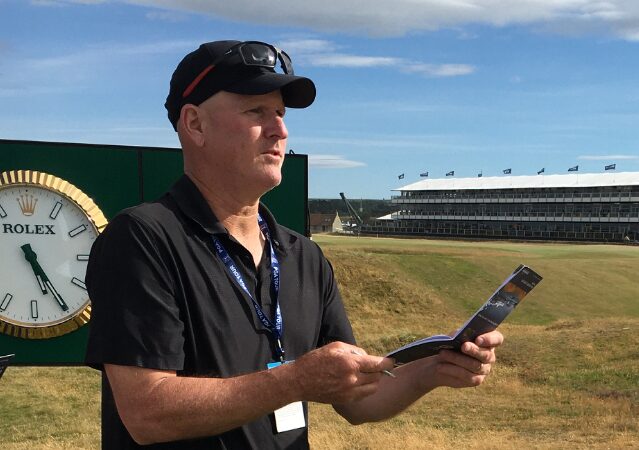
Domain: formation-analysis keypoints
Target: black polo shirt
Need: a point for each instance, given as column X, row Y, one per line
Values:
column 162, row 299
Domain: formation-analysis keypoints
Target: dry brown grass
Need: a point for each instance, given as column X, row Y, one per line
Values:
column 50, row 408
column 567, row 376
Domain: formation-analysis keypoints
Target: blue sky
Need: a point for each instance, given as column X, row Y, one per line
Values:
column 404, row 86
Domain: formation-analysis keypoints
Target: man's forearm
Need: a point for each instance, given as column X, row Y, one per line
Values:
column 169, row 408
column 394, row 394
column 158, row 406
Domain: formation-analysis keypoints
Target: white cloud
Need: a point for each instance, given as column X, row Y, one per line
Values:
column 607, row 157
column 342, row 60
column 440, row 70
column 307, row 46
column 323, row 53
column 332, row 162
column 400, row 17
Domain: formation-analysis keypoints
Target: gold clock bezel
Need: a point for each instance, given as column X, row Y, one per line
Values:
column 72, row 193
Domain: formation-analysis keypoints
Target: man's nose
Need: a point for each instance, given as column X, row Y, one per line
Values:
column 277, row 128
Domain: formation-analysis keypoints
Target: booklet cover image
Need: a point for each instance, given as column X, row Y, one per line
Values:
column 486, row 319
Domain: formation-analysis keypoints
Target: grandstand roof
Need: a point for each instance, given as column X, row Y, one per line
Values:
column 526, row 181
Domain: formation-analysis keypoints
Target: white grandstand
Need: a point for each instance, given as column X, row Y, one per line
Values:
column 588, row 207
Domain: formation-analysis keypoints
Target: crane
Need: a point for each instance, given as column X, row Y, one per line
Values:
column 351, row 210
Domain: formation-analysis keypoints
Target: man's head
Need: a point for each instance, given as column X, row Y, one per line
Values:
column 239, row 67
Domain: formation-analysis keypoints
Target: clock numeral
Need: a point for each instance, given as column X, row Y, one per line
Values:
column 3, row 213
column 56, row 209
column 34, row 309
column 77, row 230
column 79, row 283
column 5, row 302
column 82, row 257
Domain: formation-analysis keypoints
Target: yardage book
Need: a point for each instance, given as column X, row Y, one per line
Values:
column 487, row 318
column 4, row 362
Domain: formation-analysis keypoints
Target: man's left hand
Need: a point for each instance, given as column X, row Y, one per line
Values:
column 470, row 367
column 413, row 380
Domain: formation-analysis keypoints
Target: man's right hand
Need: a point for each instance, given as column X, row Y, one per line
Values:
column 338, row 373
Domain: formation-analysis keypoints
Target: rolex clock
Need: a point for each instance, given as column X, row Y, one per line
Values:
column 47, row 227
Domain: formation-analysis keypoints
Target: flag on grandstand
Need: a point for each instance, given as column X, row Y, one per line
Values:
column 400, row 176
column 424, row 174
column 507, row 171
column 611, row 166
column 573, row 169
column 450, row 174
column 539, row 172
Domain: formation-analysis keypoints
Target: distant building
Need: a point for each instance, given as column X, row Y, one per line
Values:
column 326, row 223
column 582, row 207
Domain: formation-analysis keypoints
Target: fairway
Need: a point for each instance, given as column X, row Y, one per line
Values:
column 567, row 375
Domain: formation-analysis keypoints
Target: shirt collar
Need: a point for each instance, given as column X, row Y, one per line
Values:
column 193, row 204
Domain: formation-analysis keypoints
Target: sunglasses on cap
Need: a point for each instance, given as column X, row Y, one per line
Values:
column 251, row 54
column 260, row 54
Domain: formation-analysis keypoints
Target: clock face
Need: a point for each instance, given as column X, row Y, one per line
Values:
column 46, row 233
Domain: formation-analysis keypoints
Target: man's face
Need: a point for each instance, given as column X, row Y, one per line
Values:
column 245, row 140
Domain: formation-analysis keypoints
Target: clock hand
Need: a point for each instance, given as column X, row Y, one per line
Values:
column 57, row 296
column 32, row 258
column 42, row 278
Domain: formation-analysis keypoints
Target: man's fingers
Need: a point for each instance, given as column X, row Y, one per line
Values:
column 357, row 351
column 489, row 340
column 484, row 355
column 368, row 378
column 472, row 364
column 459, row 377
column 373, row 364
column 482, row 369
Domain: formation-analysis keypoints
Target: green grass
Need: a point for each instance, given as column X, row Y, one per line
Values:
column 580, row 281
column 567, row 375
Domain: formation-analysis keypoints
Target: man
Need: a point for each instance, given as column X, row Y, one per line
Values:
column 194, row 295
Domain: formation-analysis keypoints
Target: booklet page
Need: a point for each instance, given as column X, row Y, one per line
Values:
column 487, row 318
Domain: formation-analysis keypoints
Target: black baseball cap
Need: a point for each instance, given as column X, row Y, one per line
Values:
column 198, row 76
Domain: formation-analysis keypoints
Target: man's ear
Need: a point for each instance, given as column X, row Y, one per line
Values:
column 190, row 124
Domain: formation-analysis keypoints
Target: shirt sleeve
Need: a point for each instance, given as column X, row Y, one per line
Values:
column 135, row 320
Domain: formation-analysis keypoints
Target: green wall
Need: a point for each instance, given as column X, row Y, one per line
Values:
column 116, row 177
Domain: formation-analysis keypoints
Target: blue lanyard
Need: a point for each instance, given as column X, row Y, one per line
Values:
column 275, row 329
